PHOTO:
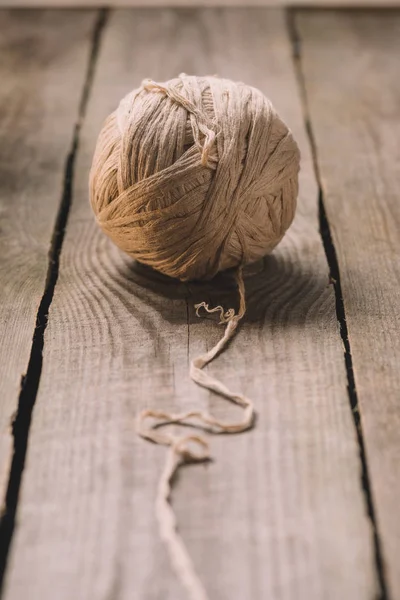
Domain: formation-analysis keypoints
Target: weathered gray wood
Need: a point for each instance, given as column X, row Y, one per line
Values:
column 280, row 513
column 351, row 66
column 43, row 58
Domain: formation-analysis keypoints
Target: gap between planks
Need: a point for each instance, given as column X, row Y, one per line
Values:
column 21, row 420
column 331, row 257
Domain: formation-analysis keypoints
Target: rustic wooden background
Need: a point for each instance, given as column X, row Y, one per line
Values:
column 200, row 3
column 304, row 507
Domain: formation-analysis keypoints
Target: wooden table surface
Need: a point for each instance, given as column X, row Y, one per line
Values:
column 306, row 505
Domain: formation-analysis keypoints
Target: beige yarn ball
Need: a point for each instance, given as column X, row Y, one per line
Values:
column 194, row 176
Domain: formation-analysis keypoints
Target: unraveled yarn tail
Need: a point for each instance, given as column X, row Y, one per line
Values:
column 194, row 448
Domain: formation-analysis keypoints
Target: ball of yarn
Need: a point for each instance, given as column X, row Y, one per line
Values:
column 194, row 176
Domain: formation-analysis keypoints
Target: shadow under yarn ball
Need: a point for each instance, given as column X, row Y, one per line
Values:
column 195, row 176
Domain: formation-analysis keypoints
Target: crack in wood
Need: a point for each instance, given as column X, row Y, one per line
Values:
column 21, row 420
column 334, row 274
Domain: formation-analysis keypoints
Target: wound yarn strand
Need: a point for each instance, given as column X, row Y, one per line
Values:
column 194, row 176
column 193, row 448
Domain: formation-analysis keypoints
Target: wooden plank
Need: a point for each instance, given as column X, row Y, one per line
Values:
column 200, row 3
column 43, row 58
column 356, row 120
column 280, row 512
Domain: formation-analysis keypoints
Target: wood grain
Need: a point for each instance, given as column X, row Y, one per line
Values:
column 43, row 60
column 280, row 512
column 356, row 120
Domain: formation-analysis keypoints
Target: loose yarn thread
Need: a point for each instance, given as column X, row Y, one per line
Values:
column 191, row 177
column 180, row 451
